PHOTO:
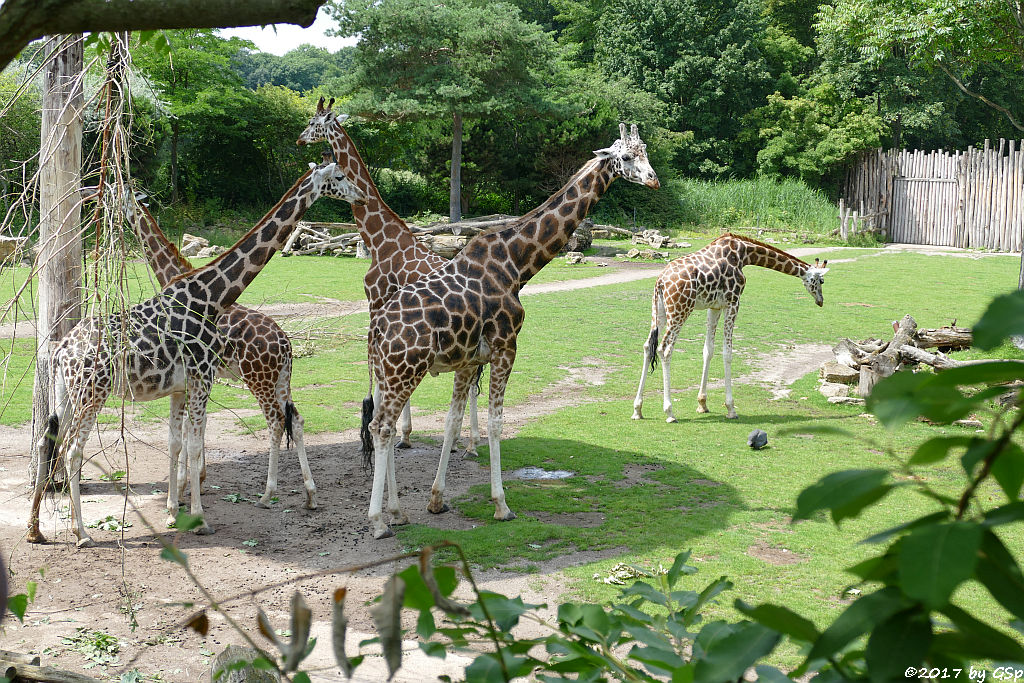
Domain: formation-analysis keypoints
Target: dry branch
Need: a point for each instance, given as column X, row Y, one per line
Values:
column 44, row 674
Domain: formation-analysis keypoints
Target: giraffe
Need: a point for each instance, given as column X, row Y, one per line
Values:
column 256, row 350
column 166, row 345
column 467, row 313
column 711, row 278
column 398, row 257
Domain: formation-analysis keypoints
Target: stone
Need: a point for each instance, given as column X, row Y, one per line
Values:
column 9, row 246
column 361, row 250
column 971, row 422
column 633, row 253
column 582, row 238
column 846, row 401
column 600, row 234
column 212, row 250
column 248, row 674
column 192, row 244
column 574, row 257
column 833, row 371
column 831, row 389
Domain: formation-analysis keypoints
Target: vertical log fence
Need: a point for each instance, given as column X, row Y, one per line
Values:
column 972, row 198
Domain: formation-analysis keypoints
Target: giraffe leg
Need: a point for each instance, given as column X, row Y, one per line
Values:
column 194, row 449
column 175, row 429
column 74, row 461
column 398, row 518
column 474, row 421
column 452, row 425
column 50, row 443
column 638, row 401
column 300, row 447
column 501, row 368
column 406, row 426
column 276, row 429
column 665, row 351
column 183, row 463
column 727, row 329
column 709, row 350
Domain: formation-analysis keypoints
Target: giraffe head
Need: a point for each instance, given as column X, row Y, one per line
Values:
column 629, row 158
column 814, row 278
column 321, row 123
column 330, row 181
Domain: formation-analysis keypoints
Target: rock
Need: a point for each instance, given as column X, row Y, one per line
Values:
column 846, row 401
column 10, row 246
column 649, row 254
column 445, row 245
column 212, row 250
column 972, row 422
column 600, row 234
column 757, row 439
column 192, row 244
column 361, row 249
column 652, row 238
column 574, row 257
column 582, row 238
column 832, row 389
column 248, row 674
column 833, row 371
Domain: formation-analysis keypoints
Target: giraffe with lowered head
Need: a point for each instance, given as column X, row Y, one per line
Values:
column 467, row 313
column 256, row 350
column 167, row 345
column 711, row 278
column 398, row 257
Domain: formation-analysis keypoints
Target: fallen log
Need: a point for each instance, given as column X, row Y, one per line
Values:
column 948, row 338
column 885, row 363
column 21, row 671
column 940, row 361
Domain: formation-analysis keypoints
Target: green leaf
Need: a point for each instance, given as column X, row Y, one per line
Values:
column 781, row 619
column 726, row 659
column 769, row 674
column 975, row 454
column 18, row 604
column 30, row 590
column 1008, row 470
column 844, row 493
column 902, row 640
column 647, row 592
column 994, row 372
column 503, row 610
column 977, row 639
column 387, row 617
column 940, row 516
column 856, row 620
column 187, row 522
column 937, row 448
column 1003, row 318
column 707, row 595
column 172, row 553
column 301, row 677
column 1005, row 514
column 895, row 400
column 596, row 619
column 434, row 649
column 999, row 572
column 661, row 661
column 300, row 626
column 937, row 558
column 678, row 568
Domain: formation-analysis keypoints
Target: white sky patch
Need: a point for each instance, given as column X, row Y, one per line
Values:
column 289, row 36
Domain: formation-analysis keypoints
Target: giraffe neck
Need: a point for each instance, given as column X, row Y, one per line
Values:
column 548, row 228
column 218, row 284
column 754, row 253
column 382, row 231
column 163, row 257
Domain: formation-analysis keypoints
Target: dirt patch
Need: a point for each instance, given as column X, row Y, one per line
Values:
column 635, row 474
column 773, row 555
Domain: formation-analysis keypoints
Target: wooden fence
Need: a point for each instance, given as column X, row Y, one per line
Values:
column 959, row 199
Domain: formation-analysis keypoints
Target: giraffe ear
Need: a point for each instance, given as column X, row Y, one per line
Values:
column 312, row 165
column 341, row 118
column 604, row 153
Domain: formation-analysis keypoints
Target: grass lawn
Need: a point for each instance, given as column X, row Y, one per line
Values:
column 644, row 490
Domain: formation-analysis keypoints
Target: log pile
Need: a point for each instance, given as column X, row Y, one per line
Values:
column 317, row 238
column 18, row 667
column 655, row 240
column 864, row 363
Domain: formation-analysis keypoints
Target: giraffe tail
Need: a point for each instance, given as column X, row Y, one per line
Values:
column 364, row 432
column 657, row 315
column 289, row 430
column 51, row 436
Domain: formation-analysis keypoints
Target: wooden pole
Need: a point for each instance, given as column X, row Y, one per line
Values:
column 59, row 257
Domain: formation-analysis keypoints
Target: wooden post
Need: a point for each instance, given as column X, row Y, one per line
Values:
column 59, row 256
column 455, row 194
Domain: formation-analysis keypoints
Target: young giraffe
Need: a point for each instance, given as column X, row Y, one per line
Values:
column 468, row 313
column 256, row 350
column 398, row 257
column 167, row 345
column 711, row 278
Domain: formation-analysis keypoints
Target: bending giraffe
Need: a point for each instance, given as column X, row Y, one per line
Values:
column 167, row 345
column 398, row 258
column 256, row 350
column 711, row 278
column 467, row 313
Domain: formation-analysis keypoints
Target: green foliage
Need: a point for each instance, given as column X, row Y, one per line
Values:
column 19, row 132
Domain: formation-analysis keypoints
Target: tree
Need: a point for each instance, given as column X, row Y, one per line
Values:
column 959, row 38
column 22, row 21
column 418, row 59
column 19, row 134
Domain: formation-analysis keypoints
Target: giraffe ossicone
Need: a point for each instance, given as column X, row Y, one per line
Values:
column 711, row 278
column 468, row 313
column 168, row 345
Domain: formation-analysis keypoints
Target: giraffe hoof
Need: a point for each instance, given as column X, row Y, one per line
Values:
column 732, row 416
column 471, row 453
column 438, row 509
column 263, row 502
column 637, row 415
column 310, row 503
column 35, row 536
column 671, row 419
column 506, row 517
column 404, row 443
column 85, row 542
column 170, row 521
column 386, row 533
column 204, row 530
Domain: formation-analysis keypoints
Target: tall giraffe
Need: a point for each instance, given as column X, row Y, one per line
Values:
column 167, row 345
column 468, row 313
column 256, row 350
column 398, row 257
column 711, row 278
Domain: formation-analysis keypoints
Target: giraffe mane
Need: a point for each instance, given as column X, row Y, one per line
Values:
column 159, row 235
column 259, row 225
column 751, row 240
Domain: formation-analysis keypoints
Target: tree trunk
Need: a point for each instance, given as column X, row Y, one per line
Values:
column 175, row 128
column 59, row 256
column 455, row 198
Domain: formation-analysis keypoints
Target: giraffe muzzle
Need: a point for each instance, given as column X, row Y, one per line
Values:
column 300, row 142
column 653, row 183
